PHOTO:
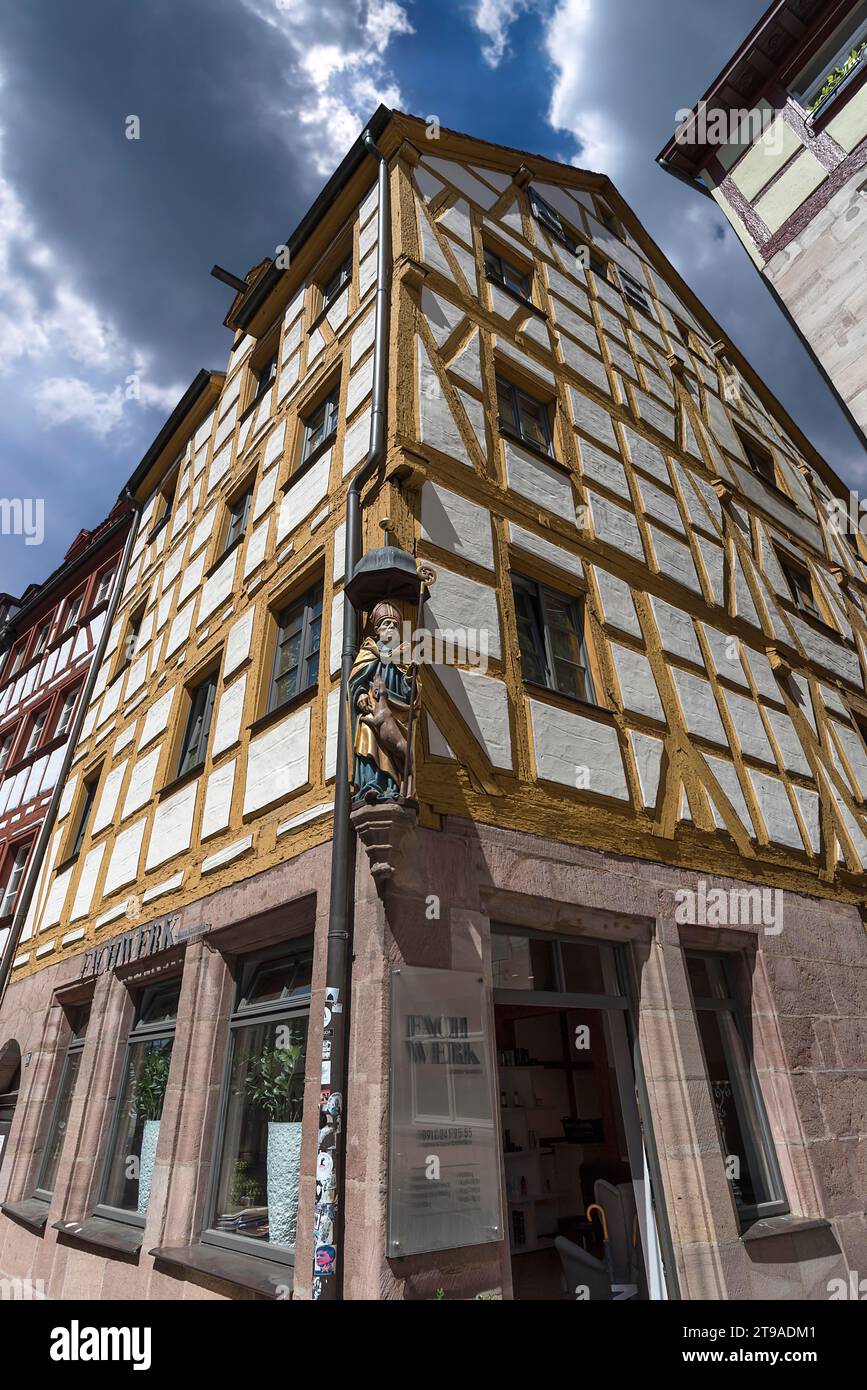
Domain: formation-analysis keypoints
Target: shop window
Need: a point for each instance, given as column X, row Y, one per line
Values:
column 296, row 656
column 320, row 426
column 835, row 66
column 16, row 863
column 253, row 1203
column 523, row 416
column 507, row 275
column 551, row 640
column 541, row 964
column 126, row 1181
column 60, row 1115
column 194, row 746
column 238, row 516
column 745, row 1139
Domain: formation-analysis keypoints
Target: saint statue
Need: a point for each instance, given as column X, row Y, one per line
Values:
column 379, row 695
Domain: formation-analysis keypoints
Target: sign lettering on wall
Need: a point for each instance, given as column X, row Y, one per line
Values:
column 443, row 1178
column 143, row 941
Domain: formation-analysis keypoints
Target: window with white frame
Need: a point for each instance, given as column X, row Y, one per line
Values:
column 16, row 862
column 551, row 639
column 744, row 1133
column 253, row 1202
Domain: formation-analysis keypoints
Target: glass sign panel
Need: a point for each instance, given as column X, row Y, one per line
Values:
column 444, row 1179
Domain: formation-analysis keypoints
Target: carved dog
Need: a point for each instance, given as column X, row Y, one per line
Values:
column 385, row 727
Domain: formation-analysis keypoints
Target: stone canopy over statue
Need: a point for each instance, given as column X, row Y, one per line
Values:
column 380, row 693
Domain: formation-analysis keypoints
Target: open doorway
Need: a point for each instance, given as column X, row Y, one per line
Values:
column 581, row 1220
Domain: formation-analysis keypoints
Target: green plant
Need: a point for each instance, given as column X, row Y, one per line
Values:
column 149, row 1088
column 836, row 75
column 440, row 1295
column 270, row 1082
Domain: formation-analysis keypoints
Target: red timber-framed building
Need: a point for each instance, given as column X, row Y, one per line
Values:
column 47, row 640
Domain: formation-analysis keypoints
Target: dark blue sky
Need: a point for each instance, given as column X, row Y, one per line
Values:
column 107, row 309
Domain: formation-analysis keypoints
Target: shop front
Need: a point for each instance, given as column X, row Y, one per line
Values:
column 165, row 1118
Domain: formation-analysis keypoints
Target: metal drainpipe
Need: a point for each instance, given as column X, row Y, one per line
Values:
column 26, row 895
column 342, row 897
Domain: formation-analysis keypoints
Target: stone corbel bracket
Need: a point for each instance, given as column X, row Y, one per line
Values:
column 385, row 829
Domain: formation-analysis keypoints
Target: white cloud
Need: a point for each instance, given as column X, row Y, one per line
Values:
column 337, row 73
column 48, row 326
column 494, row 19
column 71, row 400
column 568, row 42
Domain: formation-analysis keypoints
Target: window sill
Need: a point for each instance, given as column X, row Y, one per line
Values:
column 239, row 540
column 273, row 716
column 97, row 608
column 104, row 1234
column 266, row 1277
column 327, row 443
column 518, row 298
column 181, row 781
column 508, row 433
column 570, row 702
column 835, row 100
column 769, row 1227
column 67, row 863
column 32, row 1213
column 30, row 758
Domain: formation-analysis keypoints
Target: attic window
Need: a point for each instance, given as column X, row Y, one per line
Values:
column 633, row 291
column 550, row 218
column 608, row 220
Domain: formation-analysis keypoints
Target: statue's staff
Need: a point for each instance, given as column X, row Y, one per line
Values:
column 428, row 578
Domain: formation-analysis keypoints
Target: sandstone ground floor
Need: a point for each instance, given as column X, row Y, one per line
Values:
column 571, row 1075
